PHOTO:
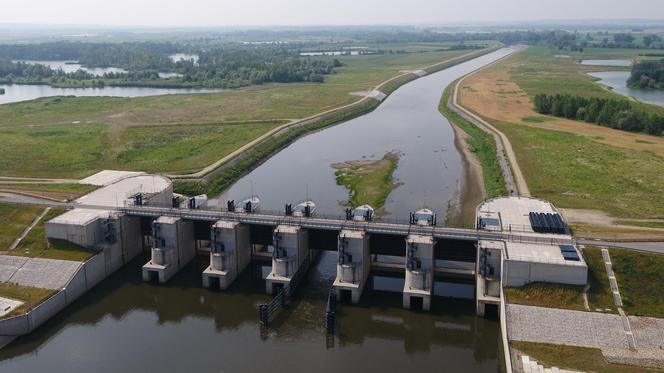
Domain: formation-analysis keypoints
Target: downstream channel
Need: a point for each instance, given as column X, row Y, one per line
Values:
column 127, row 325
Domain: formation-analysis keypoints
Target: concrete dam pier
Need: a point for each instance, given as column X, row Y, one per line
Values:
column 506, row 248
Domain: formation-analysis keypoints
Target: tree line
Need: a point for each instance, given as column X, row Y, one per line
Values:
column 612, row 113
column 647, row 74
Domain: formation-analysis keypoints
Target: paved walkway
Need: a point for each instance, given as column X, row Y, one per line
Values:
column 37, row 272
column 566, row 327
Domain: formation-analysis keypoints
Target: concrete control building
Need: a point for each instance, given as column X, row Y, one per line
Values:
column 548, row 255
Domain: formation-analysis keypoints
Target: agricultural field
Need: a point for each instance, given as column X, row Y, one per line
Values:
column 574, row 164
column 74, row 137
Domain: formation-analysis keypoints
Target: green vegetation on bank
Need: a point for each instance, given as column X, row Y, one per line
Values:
column 36, row 245
column 368, row 182
column 30, row 297
column 574, row 171
column 617, row 114
column 573, row 357
column 13, row 220
column 547, row 295
column 481, row 144
column 647, row 74
column 77, row 136
column 640, row 277
column 57, row 191
column 600, row 296
column 229, row 173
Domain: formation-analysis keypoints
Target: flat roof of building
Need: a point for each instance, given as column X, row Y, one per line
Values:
column 80, row 216
column 514, row 211
column 540, row 253
column 115, row 194
column 108, row 177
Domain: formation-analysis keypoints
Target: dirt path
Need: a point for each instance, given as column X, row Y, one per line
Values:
column 514, row 180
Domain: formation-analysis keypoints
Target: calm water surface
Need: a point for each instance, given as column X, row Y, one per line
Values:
column 429, row 171
column 606, row 62
column 72, row 66
column 126, row 325
column 618, row 81
column 25, row 92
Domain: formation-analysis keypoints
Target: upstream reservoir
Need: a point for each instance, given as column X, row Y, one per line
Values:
column 125, row 324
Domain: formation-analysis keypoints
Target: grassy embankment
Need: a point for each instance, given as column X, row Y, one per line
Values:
column 573, row 164
column 368, row 182
column 30, row 297
column 640, row 277
column 573, row 357
column 13, row 220
column 481, row 144
column 36, row 245
column 569, row 296
column 53, row 191
column 74, row 137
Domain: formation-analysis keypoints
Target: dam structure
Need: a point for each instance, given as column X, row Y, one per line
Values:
column 133, row 213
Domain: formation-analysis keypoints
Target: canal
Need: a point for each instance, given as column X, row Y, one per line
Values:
column 124, row 324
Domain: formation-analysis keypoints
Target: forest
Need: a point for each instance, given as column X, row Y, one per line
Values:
column 618, row 114
column 647, row 74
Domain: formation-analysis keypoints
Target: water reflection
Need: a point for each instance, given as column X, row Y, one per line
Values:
column 125, row 324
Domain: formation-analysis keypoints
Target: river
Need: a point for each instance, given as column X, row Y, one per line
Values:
column 429, row 171
column 125, row 324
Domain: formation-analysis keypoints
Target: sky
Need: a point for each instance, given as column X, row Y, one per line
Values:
column 204, row 13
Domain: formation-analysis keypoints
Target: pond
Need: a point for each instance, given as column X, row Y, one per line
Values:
column 25, row 92
column 617, row 80
column 606, row 62
column 73, row 66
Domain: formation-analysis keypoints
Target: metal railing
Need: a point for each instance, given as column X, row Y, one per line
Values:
column 331, row 312
column 267, row 310
column 327, row 222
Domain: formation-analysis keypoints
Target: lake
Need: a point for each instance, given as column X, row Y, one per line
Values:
column 606, row 62
column 72, row 66
column 617, row 80
column 25, row 92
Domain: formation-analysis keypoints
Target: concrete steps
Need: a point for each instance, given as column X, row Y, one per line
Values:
column 529, row 365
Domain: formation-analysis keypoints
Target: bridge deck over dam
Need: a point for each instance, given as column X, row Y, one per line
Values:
column 338, row 224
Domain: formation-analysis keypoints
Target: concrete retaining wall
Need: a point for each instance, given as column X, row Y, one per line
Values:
column 518, row 273
column 89, row 274
column 503, row 333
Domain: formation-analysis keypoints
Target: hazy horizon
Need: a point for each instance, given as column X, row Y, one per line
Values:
column 252, row 13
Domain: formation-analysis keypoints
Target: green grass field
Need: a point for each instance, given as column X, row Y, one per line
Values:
column 574, row 171
column 540, row 72
column 36, row 245
column 599, row 293
column 547, row 295
column 640, row 277
column 13, row 220
column 41, row 139
column 368, row 182
column 573, row 357
column 28, row 295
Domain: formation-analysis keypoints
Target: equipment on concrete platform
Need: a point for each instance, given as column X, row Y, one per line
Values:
column 305, row 209
column 360, row 213
column 423, row 217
